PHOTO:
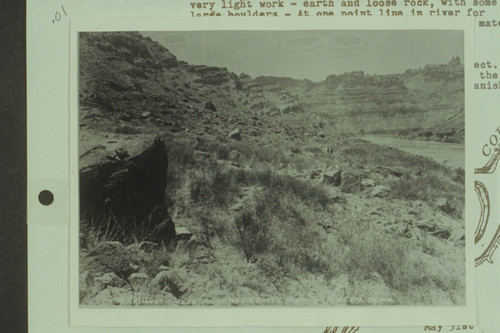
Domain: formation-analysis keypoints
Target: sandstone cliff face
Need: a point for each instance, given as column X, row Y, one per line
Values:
column 428, row 98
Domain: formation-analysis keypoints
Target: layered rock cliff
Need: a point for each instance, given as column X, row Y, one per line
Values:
column 125, row 75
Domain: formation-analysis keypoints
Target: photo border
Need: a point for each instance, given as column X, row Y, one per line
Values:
column 269, row 316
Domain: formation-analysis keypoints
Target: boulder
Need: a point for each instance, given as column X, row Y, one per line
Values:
column 295, row 150
column 139, row 280
column 381, row 191
column 109, row 280
column 90, row 285
column 395, row 171
column 183, row 233
column 291, row 108
column 442, row 233
column 332, row 178
column 444, row 205
column 367, row 183
column 171, row 281
column 148, row 246
column 235, row 134
column 127, row 188
column 351, row 182
column 314, row 173
column 210, row 106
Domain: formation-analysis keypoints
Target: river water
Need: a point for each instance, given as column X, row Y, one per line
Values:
column 449, row 154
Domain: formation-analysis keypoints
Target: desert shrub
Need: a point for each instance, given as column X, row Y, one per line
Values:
column 222, row 151
column 216, row 184
column 429, row 188
column 180, row 154
column 253, row 232
column 95, row 229
column 306, row 191
column 265, row 154
column 199, row 188
column 263, row 176
column 273, row 229
column 213, row 184
column 150, row 262
column 376, row 252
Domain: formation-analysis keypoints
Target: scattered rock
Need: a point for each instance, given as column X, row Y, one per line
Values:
column 315, row 174
column 183, row 233
column 339, row 199
column 234, row 155
column 395, row 171
column 90, row 285
column 237, row 206
column 125, row 117
column 320, row 135
column 169, row 280
column 109, row 280
column 351, row 182
column 210, row 106
column 293, row 108
column 148, row 246
column 296, row 174
column 443, row 234
column 332, row 178
column 235, row 134
column 367, row 183
column 201, row 154
column 122, row 153
column 295, row 150
column 381, row 191
column 443, row 205
column 139, row 280
column 457, row 235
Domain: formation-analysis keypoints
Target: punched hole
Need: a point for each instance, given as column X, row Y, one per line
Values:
column 46, row 197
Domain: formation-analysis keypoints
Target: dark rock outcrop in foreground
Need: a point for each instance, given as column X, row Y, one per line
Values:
column 125, row 177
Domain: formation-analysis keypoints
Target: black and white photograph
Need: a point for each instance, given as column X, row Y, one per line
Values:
column 277, row 168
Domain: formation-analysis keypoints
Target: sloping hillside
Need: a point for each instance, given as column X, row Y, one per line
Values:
column 269, row 198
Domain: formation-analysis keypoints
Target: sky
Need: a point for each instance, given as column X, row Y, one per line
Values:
column 313, row 54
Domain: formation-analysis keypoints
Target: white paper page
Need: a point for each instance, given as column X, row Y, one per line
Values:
column 53, row 135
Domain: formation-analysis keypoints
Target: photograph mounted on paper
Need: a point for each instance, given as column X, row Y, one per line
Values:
column 271, row 168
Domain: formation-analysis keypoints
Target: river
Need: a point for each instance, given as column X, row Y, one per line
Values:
column 449, row 154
